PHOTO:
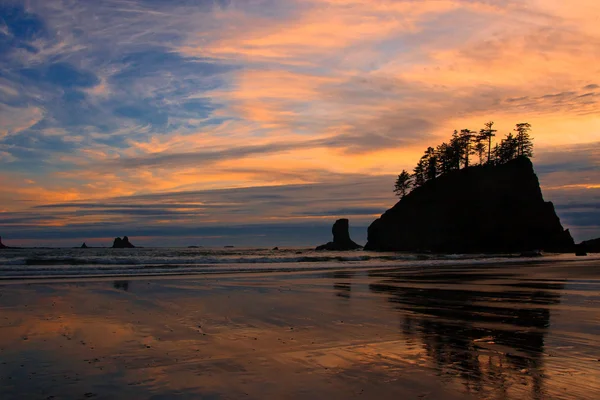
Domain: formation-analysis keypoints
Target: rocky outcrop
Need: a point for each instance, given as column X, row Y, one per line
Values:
column 122, row 243
column 84, row 246
column 581, row 250
column 2, row 246
column 341, row 238
column 487, row 209
column 590, row 246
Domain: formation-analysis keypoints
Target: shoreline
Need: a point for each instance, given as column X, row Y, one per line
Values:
column 233, row 269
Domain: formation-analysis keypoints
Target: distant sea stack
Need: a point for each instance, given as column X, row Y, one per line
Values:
column 2, row 246
column 341, row 238
column 122, row 243
column 84, row 246
column 480, row 209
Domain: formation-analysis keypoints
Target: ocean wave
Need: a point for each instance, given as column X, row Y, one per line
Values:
column 38, row 263
column 47, row 261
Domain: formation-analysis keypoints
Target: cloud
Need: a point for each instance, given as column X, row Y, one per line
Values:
column 114, row 98
column 295, row 211
column 176, row 160
column 18, row 119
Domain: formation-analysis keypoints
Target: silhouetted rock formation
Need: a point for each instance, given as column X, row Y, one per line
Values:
column 485, row 209
column 580, row 250
column 341, row 238
column 122, row 243
column 2, row 246
column 532, row 253
column 591, row 246
column 84, row 246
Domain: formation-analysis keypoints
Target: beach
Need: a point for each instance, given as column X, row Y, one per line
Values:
column 451, row 330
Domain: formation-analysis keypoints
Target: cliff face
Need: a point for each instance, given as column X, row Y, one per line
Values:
column 484, row 209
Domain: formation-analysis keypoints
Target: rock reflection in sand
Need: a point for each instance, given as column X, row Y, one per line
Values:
column 507, row 332
column 492, row 339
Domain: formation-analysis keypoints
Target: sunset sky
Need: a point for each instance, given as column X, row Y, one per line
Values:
column 259, row 122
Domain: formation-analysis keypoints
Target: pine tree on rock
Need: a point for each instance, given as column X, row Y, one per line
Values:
column 523, row 138
column 403, row 184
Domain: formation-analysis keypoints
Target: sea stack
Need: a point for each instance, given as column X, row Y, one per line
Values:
column 480, row 209
column 122, row 243
column 341, row 237
column 84, row 246
column 2, row 246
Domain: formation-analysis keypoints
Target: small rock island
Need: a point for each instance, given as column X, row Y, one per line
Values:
column 2, row 246
column 458, row 206
column 122, row 243
column 480, row 209
column 341, row 238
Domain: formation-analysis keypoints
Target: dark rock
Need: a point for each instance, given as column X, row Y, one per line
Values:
column 275, row 248
column 84, row 246
column 193, row 247
column 532, row 253
column 122, row 243
column 481, row 209
column 2, row 246
column 581, row 250
column 591, row 246
column 341, row 238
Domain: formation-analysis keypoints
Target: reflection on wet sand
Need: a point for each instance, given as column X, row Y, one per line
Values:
column 123, row 285
column 493, row 340
column 507, row 332
column 343, row 283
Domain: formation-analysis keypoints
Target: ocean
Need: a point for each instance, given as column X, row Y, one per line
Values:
column 31, row 263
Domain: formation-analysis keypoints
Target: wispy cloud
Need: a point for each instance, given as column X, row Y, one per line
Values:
column 112, row 98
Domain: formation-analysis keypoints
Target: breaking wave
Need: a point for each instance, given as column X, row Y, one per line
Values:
column 41, row 263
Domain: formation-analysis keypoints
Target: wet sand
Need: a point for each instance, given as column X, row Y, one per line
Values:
column 480, row 332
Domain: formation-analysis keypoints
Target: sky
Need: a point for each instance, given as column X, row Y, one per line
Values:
column 259, row 122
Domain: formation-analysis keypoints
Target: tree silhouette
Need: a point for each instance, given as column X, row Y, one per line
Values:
column 403, row 184
column 448, row 156
column 524, row 144
column 445, row 153
column 495, row 155
column 508, row 149
column 457, row 150
column 419, row 173
column 488, row 133
column 466, row 138
column 431, row 163
column 480, row 148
